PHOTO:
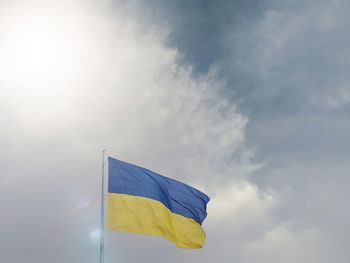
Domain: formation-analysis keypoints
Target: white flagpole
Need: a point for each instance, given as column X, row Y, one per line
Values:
column 102, row 231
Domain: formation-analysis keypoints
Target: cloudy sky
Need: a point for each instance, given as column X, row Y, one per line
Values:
column 248, row 101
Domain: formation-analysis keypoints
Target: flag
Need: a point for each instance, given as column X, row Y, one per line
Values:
column 144, row 202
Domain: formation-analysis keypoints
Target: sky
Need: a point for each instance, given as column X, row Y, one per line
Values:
column 246, row 100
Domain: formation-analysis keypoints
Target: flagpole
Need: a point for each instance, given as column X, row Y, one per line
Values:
column 102, row 231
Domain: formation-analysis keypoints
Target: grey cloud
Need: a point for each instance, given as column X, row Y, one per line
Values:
column 282, row 65
column 286, row 63
column 117, row 87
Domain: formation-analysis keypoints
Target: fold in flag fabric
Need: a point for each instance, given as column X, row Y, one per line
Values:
column 144, row 202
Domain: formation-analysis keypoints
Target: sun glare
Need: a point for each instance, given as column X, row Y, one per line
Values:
column 45, row 52
column 42, row 43
column 35, row 48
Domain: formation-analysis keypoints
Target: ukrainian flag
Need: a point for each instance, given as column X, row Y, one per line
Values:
column 141, row 201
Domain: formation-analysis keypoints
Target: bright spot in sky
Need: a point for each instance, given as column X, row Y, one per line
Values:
column 47, row 53
column 94, row 235
column 84, row 202
column 43, row 43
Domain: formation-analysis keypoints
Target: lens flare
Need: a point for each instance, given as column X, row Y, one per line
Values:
column 95, row 235
column 84, row 202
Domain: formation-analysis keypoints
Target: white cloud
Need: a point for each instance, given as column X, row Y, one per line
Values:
column 241, row 204
column 126, row 92
column 111, row 83
column 281, row 244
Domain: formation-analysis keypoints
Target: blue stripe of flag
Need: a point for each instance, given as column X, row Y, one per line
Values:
column 179, row 198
